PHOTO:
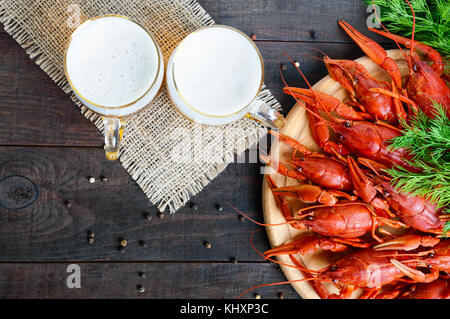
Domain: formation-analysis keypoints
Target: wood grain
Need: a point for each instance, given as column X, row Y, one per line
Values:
column 291, row 20
column 33, row 109
column 163, row 280
column 50, row 231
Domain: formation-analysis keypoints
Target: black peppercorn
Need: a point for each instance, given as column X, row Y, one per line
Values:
column 233, row 260
column 68, row 203
column 141, row 289
column 219, row 208
column 143, row 243
column 193, row 206
column 313, row 34
column 142, row 275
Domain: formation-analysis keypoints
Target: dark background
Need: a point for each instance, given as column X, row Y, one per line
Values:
column 45, row 138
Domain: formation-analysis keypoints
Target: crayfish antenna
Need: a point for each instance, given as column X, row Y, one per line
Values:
column 254, row 221
column 385, row 29
column 281, row 283
column 413, row 27
column 318, row 50
column 301, row 268
column 313, row 57
column 310, row 87
column 297, row 100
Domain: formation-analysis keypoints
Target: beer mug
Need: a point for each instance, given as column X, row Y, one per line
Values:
column 215, row 75
column 115, row 68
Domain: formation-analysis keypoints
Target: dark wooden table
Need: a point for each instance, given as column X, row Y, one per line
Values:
column 44, row 138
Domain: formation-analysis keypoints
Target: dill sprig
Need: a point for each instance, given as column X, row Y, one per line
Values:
column 446, row 229
column 432, row 20
column 427, row 139
column 428, row 142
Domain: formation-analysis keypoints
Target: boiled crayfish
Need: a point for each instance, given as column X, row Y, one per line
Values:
column 352, row 195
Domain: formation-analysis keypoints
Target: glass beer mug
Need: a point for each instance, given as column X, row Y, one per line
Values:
column 215, row 75
column 115, row 68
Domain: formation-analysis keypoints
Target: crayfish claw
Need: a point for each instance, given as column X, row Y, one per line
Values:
column 408, row 243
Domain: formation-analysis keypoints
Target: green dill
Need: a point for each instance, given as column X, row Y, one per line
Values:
column 432, row 20
column 428, row 142
column 446, row 229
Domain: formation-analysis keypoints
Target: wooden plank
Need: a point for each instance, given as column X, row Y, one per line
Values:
column 34, row 111
column 292, row 20
column 163, row 280
column 48, row 230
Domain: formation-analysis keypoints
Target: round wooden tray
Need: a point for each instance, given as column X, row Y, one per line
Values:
column 297, row 127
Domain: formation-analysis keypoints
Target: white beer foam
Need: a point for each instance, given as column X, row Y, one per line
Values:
column 217, row 71
column 111, row 61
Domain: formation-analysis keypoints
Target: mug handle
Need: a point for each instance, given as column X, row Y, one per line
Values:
column 267, row 115
column 113, row 136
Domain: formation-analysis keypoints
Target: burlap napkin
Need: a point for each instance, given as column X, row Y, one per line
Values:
column 161, row 148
